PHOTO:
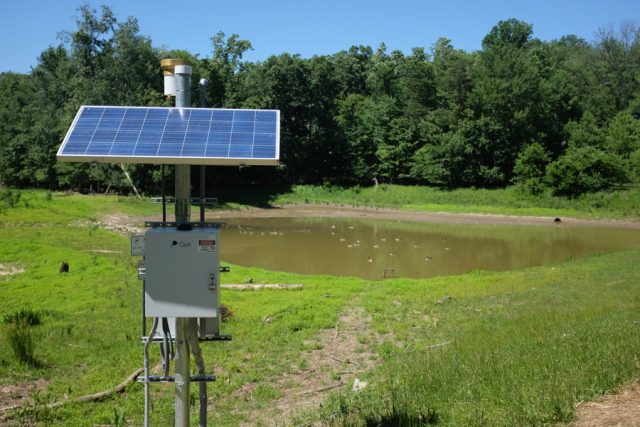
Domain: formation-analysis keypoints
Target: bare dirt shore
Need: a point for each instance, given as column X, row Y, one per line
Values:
column 336, row 211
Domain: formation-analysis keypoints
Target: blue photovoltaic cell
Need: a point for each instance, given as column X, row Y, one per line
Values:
column 173, row 135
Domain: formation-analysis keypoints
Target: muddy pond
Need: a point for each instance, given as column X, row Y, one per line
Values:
column 376, row 249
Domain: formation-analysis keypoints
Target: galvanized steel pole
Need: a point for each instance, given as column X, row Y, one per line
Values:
column 183, row 216
column 195, row 346
column 203, row 104
column 183, row 172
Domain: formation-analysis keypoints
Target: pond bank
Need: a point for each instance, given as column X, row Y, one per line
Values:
column 338, row 211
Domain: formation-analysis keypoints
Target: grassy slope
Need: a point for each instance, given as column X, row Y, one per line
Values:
column 525, row 345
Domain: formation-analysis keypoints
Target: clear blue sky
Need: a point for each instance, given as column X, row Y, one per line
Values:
column 305, row 27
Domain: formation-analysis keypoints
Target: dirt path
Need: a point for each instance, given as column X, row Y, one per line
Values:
column 621, row 409
column 341, row 356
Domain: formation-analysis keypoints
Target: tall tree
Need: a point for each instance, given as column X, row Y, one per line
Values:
column 223, row 66
column 452, row 72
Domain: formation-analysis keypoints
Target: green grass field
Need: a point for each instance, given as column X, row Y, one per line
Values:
column 523, row 347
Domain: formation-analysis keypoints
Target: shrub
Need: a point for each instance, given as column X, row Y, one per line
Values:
column 585, row 169
column 585, row 133
column 623, row 136
column 634, row 166
column 530, row 167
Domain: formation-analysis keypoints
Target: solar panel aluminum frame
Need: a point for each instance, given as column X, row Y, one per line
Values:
column 162, row 159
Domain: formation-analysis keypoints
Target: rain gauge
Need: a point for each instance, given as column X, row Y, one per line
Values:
column 181, row 262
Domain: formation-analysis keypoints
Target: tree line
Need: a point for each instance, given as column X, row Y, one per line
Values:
column 560, row 116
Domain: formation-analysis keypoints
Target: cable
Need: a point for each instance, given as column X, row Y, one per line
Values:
column 146, row 370
column 166, row 346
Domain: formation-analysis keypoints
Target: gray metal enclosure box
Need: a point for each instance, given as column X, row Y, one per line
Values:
column 182, row 270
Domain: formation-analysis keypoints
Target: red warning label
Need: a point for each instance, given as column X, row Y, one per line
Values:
column 207, row 245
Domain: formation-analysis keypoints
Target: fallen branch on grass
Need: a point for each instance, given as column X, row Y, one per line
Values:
column 321, row 389
column 442, row 344
column 258, row 286
column 409, row 347
column 96, row 396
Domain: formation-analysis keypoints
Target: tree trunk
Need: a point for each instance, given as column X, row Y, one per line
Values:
column 126, row 174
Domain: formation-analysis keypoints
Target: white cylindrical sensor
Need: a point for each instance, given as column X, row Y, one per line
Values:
column 170, row 85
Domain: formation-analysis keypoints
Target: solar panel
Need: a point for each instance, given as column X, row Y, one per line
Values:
column 196, row 136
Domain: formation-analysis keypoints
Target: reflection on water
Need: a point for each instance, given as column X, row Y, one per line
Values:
column 374, row 249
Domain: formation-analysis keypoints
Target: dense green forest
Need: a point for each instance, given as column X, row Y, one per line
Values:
column 559, row 116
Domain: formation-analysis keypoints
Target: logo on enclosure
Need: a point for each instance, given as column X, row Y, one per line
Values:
column 207, row 245
column 180, row 244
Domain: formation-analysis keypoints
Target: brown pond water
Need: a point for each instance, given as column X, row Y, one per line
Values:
column 373, row 249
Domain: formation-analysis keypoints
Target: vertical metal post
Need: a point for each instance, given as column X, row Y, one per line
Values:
column 183, row 215
column 202, row 193
column 183, row 194
column 203, row 104
column 163, row 194
column 183, row 172
column 183, row 372
column 195, row 346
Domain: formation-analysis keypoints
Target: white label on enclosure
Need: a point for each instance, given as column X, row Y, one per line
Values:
column 137, row 245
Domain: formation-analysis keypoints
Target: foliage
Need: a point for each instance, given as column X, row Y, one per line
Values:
column 530, row 167
column 360, row 117
column 634, row 166
column 585, row 169
column 442, row 117
column 585, row 133
column 623, row 134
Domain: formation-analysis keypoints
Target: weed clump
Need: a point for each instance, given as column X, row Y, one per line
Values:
column 226, row 312
column 23, row 315
column 9, row 199
column 19, row 332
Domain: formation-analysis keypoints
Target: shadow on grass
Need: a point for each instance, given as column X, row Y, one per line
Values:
column 431, row 417
column 259, row 197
